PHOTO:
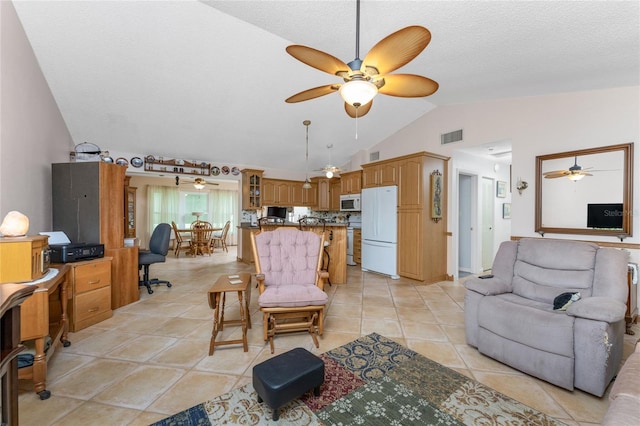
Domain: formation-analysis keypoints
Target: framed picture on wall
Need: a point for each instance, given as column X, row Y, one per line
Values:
column 501, row 189
column 506, row 210
column 436, row 196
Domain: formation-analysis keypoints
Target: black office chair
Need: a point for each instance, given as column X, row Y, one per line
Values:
column 158, row 248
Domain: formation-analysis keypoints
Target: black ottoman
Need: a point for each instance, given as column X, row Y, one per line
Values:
column 285, row 377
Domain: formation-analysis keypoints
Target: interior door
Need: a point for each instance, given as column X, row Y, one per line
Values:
column 465, row 227
column 487, row 222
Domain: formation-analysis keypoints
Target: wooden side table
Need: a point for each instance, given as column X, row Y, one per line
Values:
column 217, row 300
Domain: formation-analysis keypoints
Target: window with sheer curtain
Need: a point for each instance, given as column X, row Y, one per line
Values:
column 217, row 206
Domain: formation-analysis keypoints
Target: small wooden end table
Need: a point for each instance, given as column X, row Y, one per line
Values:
column 217, row 295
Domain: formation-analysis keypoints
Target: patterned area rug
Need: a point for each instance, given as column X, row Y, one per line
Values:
column 373, row 381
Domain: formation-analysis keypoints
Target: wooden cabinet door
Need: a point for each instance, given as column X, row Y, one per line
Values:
column 351, row 183
column 268, row 192
column 370, row 176
column 334, row 204
column 311, row 196
column 283, row 196
column 388, row 174
column 251, row 189
column 297, row 194
column 410, row 250
column 410, row 188
column 324, row 200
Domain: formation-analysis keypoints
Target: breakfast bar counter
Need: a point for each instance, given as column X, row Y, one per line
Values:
column 335, row 233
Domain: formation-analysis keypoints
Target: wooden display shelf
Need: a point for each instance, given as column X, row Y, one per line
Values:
column 182, row 167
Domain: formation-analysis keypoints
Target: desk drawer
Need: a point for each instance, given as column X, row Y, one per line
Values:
column 91, row 304
column 91, row 276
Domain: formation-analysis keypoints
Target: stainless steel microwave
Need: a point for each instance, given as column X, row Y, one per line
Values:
column 350, row 203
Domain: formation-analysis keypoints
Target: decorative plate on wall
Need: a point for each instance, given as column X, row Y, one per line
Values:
column 235, row 171
column 121, row 161
column 136, row 162
column 215, row 170
column 225, row 170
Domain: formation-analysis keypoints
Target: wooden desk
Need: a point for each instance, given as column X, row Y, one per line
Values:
column 45, row 314
column 11, row 296
column 217, row 294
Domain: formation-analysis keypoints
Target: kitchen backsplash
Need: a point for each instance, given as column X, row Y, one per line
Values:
column 298, row 212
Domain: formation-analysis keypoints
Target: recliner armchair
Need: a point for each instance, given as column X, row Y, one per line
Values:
column 511, row 316
column 158, row 248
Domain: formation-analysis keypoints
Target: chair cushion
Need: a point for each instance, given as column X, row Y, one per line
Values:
column 545, row 269
column 288, row 256
column 289, row 296
column 147, row 258
column 531, row 323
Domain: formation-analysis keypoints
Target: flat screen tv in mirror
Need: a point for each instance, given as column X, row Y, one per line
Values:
column 605, row 216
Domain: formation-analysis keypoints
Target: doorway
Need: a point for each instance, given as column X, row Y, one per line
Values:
column 487, row 222
column 467, row 201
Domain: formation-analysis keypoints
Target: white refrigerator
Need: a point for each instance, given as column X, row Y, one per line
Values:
column 380, row 230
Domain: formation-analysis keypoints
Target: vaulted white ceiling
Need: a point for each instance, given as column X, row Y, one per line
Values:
column 207, row 80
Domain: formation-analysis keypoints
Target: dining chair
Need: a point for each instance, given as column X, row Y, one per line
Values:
column 221, row 237
column 269, row 220
column 181, row 242
column 201, row 236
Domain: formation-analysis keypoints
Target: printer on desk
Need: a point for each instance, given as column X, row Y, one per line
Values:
column 63, row 250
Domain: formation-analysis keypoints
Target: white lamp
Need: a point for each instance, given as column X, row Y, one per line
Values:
column 358, row 92
column 329, row 174
column 198, row 185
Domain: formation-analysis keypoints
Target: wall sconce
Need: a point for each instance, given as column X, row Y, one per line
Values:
column 521, row 185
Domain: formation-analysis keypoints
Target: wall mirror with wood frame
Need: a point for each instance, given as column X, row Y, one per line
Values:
column 588, row 191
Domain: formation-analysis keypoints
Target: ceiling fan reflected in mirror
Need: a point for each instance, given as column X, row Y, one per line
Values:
column 364, row 79
column 574, row 173
column 198, row 183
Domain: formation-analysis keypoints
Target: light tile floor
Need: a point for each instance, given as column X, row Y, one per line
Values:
column 150, row 360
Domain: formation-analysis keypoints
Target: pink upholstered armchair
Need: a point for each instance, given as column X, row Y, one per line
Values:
column 290, row 281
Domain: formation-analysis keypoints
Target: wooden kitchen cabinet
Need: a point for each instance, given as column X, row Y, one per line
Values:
column 422, row 242
column 277, row 192
column 90, row 293
column 304, row 197
column 357, row 246
column 252, row 189
column 334, row 195
column 351, row 182
column 381, row 173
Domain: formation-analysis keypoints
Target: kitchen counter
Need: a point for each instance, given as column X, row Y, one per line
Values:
column 336, row 233
column 296, row 224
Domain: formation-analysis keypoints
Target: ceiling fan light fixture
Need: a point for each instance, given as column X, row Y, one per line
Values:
column 575, row 176
column 358, row 92
column 198, row 185
column 329, row 174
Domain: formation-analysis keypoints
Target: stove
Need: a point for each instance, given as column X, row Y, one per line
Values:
column 356, row 224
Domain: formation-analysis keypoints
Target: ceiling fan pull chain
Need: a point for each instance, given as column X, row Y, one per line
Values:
column 356, row 123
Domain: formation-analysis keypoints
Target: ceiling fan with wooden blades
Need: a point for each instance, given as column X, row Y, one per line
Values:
column 198, row 183
column 329, row 170
column 364, row 79
column 575, row 172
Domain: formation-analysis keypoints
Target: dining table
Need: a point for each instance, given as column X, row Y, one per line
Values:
column 196, row 236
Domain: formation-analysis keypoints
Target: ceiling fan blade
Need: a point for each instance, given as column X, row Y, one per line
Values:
column 556, row 174
column 317, row 59
column 408, row 86
column 316, row 92
column 360, row 111
column 397, row 49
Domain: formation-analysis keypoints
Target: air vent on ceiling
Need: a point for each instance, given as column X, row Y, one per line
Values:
column 374, row 156
column 451, row 137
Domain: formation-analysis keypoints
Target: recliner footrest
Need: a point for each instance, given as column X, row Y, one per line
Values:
column 285, row 377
